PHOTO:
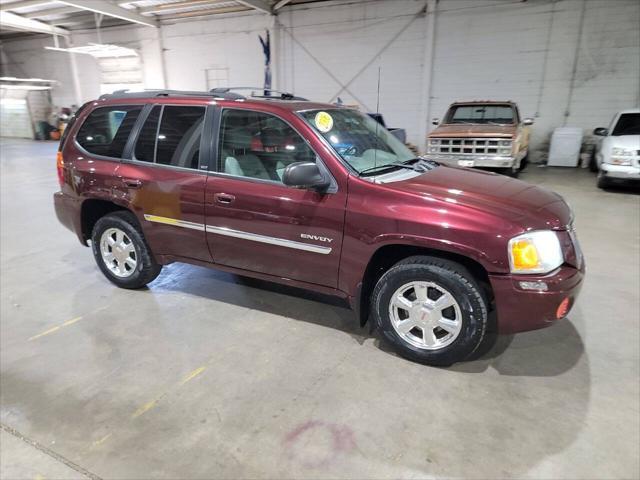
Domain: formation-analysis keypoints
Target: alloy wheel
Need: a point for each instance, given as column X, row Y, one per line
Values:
column 118, row 252
column 425, row 315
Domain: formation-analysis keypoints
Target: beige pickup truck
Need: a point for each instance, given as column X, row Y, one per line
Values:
column 488, row 134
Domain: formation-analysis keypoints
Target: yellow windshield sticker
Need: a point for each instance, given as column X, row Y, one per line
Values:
column 324, row 122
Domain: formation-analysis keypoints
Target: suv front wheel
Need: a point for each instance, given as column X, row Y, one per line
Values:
column 430, row 310
column 121, row 252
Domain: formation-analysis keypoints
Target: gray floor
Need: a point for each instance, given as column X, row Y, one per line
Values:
column 207, row 375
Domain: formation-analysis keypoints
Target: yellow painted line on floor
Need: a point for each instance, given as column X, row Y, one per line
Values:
column 38, row 477
column 193, row 375
column 56, row 328
column 144, row 408
column 97, row 443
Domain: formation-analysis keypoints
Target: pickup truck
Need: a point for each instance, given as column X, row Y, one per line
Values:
column 488, row 134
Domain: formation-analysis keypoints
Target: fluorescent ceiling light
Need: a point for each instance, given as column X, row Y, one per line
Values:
column 98, row 50
column 25, row 87
column 29, row 80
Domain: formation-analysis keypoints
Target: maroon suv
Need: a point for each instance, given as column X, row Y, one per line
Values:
column 320, row 197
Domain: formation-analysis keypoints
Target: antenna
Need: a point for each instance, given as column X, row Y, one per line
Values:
column 375, row 150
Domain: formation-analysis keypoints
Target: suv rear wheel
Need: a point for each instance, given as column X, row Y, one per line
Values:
column 121, row 252
column 430, row 310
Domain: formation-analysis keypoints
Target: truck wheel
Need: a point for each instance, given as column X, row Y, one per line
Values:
column 512, row 172
column 430, row 310
column 603, row 182
column 121, row 251
column 524, row 162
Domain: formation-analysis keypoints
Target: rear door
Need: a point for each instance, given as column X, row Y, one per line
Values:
column 254, row 221
column 163, row 182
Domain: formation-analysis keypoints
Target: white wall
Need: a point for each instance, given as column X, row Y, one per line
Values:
column 521, row 51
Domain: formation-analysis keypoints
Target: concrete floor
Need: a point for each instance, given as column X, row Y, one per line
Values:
column 207, row 375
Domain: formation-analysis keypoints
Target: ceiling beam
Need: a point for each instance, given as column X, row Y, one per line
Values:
column 280, row 4
column 167, row 7
column 13, row 21
column 202, row 13
column 49, row 12
column 111, row 10
column 260, row 5
column 24, row 4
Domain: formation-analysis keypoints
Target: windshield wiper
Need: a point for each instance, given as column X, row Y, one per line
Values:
column 387, row 165
column 416, row 164
column 499, row 124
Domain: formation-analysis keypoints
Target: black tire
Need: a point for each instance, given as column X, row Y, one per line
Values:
column 524, row 162
column 603, row 182
column 510, row 172
column 146, row 270
column 456, row 280
column 593, row 162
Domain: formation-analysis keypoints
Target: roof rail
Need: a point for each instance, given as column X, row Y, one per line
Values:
column 164, row 93
column 226, row 93
column 264, row 93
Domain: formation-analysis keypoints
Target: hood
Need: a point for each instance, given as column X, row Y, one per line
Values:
column 463, row 130
column 520, row 203
column 630, row 142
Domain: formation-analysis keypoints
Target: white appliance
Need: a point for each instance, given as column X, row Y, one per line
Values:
column 565, row 147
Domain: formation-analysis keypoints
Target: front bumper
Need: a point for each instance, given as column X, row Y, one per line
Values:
column 487, row 161
column 520, row 310
column 621, row 172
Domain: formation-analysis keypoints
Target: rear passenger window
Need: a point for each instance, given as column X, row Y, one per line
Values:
column 177, row 141
column 106, row 130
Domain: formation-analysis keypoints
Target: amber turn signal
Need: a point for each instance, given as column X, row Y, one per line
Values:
column 525, row 255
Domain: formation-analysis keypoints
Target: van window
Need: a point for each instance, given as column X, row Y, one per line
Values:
column 106, row 130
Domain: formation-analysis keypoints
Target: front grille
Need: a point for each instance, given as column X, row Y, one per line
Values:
column 470, row 146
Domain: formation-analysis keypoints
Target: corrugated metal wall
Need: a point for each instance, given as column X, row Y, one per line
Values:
column 522, row 51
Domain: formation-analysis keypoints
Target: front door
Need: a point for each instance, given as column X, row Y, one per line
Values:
column 254, row 221
column 164, row 184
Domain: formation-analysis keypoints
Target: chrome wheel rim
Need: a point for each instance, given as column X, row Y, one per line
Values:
column 118, row 252
column 425, row 315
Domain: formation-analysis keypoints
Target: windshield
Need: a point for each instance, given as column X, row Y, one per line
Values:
column 628, row 124
column 361, row 141
column 481, row 114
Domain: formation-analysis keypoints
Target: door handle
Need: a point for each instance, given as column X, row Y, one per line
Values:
column 224, row 198
column 132, row 182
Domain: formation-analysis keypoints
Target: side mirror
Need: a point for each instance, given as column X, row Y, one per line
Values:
column 305, row 175
column 527, row 121
column 435, row 121
column 602, row 132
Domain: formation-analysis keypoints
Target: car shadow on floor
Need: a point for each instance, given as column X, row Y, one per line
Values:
column 542, row 353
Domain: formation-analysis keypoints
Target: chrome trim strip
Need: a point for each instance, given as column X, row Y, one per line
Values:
column 270, row 240
column 174, row 222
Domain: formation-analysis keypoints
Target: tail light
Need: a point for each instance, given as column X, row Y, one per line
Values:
column 60, row 168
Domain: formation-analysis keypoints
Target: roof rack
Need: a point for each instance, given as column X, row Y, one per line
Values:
column 224, row 93
column 267, row 93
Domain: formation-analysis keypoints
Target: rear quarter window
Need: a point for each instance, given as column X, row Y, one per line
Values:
column 106, row 130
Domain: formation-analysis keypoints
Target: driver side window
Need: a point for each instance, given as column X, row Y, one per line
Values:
column 259, row 145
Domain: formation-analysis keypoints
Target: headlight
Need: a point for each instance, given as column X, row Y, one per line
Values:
column 535, row 252
column 505, row 151
column 505, row 143
column 622, row 152
column 434, row 141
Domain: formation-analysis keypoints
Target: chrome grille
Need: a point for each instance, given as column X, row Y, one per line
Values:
column 471, row 146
